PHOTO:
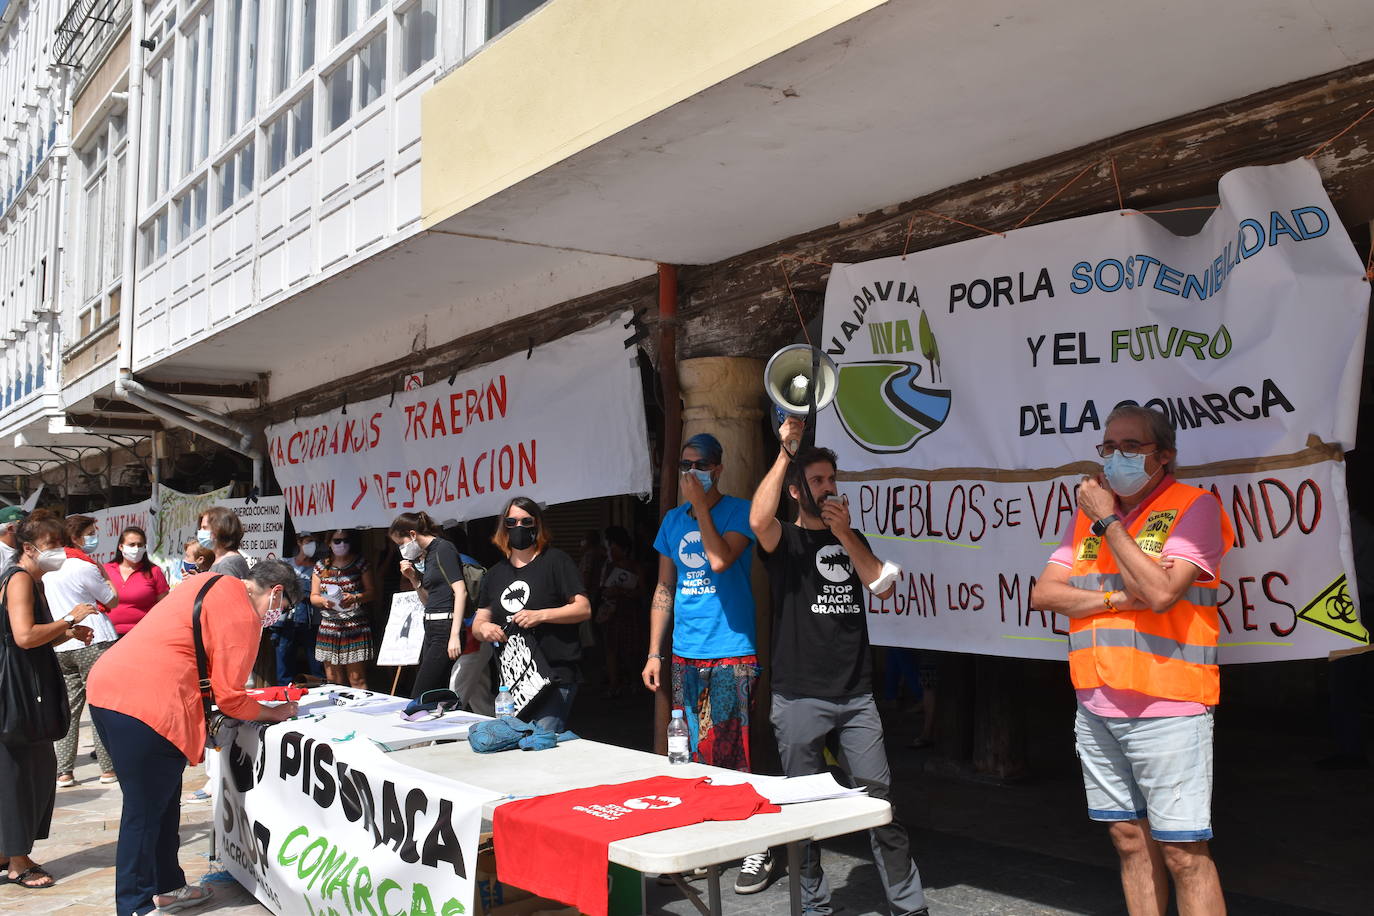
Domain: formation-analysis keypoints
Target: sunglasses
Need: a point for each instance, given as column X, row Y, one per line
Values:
column 700, row 465
column 339, row 541
column 526, row 522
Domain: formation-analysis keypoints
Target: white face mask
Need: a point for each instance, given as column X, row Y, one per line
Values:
column 132, row 554
column 340, row 550
column 411, row 550
column 51, row 560
column 308, row 549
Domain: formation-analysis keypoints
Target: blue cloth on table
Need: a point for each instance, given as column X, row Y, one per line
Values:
column 508, row 733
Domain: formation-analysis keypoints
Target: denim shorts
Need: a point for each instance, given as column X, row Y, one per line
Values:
column 1160, row 769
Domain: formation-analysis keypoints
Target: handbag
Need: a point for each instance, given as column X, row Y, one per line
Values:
column 523, row 667
column 219, row 730
column 33, row 694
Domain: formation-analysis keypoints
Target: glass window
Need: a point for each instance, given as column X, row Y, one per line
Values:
column 345, row 19
column 281, row 46
column 307, row 33
column 226, row 180
column 246, row 168
column 240, row 65
column 302, row 125
column 338, row 88
column 418, row 31
column 502, row 14
column 234, row 178
column 372, row 71
column 276, row 145
column 291, row 134
column 199, row 43
column 191, row 210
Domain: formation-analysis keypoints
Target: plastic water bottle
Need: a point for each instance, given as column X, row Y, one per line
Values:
column 505, row 703
column 678, row 751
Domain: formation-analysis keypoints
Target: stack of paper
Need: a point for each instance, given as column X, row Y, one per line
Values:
column 782, row 790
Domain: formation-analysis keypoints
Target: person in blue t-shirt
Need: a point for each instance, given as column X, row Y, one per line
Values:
column 703, row 589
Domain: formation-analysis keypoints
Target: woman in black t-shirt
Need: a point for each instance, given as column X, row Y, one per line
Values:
column 537, row 593
column 432, row 565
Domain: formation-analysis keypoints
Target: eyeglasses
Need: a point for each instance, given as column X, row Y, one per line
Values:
column 1128, row 449
column 525, row 522
column 700, row 465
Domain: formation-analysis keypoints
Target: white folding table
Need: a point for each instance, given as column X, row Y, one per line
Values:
column 582, row 763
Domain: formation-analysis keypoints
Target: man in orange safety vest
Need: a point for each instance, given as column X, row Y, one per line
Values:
column 1137, row 577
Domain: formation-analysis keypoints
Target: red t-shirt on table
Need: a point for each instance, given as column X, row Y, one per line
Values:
column 556, row 845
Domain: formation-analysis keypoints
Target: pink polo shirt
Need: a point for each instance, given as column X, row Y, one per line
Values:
column 137, row 594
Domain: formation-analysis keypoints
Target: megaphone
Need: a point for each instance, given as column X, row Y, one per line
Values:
column 798, row 376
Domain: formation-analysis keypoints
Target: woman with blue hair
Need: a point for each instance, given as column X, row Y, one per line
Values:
column 703, row 589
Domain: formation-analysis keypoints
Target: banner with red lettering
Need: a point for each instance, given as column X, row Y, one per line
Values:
column 975, row 381
column 110, row 523
column 561, row 423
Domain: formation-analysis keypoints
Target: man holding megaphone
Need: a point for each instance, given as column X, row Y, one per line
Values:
column 818, row 567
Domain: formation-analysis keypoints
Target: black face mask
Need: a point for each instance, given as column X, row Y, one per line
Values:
column 521, row 538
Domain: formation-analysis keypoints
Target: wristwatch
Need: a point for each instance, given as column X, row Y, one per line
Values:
column 69, row 620
column 1102, row 524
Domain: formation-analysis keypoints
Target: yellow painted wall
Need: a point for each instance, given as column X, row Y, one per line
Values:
column 577, row 71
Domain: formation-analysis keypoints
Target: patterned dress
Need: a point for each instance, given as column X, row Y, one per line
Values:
column 345, row 633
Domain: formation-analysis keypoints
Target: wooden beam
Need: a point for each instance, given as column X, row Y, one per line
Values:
column 115, row 405
column 242, row 390
column 740, row 307
column 436, row 364
column 130, row 424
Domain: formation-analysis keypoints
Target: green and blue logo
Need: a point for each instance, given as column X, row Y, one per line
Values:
column 880, row 403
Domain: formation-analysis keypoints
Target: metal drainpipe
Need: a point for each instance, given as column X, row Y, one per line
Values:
column 62, row 146
column 171, row 409
column 205, row 432
column 667, row 485
column 133, row 152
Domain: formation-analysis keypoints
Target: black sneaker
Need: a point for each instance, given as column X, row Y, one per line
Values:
column 755, row 873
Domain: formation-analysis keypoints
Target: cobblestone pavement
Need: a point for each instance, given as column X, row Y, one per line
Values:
column 964, row 873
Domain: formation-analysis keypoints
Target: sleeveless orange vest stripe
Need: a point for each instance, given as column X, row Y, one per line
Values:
column 1171, row 655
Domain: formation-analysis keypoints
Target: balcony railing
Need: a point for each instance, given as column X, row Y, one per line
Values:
column 85, row 28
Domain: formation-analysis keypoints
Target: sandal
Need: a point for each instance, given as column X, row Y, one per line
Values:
column 186, row 896
column 65, row 780
column 108, row 778
column 26, row 878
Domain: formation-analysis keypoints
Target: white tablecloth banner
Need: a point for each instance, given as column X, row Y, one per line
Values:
column 975, row 380
column 313, row 825
column 564, row 423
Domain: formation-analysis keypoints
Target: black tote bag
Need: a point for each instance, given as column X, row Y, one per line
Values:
column 33, row 695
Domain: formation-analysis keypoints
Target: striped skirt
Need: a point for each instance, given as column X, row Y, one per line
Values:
column 343, row 642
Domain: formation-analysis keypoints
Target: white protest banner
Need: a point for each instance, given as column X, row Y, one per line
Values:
column 564, row 423
column 405, row 630
column 975, row 380
column 178, row 517
column 111, row 522
column 313, row 825
column 264, row 525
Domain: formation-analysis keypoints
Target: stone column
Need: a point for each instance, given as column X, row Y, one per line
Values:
column 723, row 396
